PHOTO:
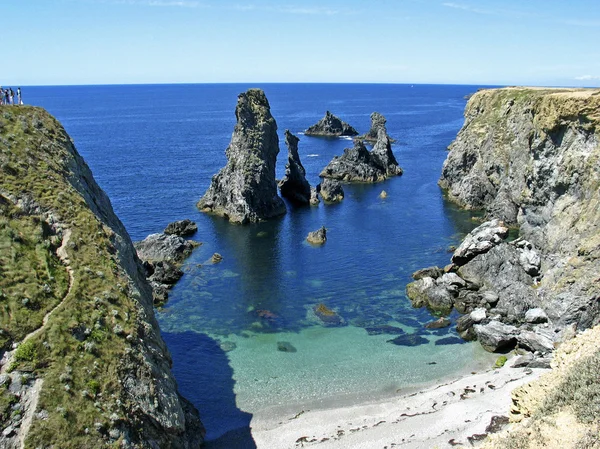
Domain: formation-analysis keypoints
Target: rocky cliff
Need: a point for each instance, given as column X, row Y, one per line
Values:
column 245, row 190
column 83, row 363
column 531, row 157
column 331, row 126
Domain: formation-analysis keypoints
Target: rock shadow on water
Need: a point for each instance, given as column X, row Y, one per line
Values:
column 205, row 378
column 409, row 340
column 450, row 341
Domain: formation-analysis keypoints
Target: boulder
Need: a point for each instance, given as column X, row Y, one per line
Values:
column 478, row 315
column 245, row 189
column 182, row 228
column 480, row 240
column 294, row 185
column 464, row 327
column 331, row 190
column 331, row 126
column 216, row 258
column 496, row 336
column 317, row 237
column 159, row 247
column 535, row 342
column 536, row 315
column 383, row 194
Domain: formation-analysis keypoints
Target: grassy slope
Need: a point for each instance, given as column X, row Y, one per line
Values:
column 78, row 352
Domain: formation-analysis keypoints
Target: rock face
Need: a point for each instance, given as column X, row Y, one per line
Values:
column 245, row 190
column 331, row 190
column 331, row 126
column 530, row 157
column 97, row 367
column 294, row 185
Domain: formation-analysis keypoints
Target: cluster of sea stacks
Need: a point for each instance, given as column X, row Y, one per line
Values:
column 245, row 190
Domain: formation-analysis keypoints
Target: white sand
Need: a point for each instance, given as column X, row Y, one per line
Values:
column 429, row 418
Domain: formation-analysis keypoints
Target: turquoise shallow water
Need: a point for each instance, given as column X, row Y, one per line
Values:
column 154, row 150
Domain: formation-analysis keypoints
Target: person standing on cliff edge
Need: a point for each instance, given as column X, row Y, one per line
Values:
column 19, row 99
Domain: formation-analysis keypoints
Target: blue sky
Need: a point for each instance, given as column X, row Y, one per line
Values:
column 504, row 42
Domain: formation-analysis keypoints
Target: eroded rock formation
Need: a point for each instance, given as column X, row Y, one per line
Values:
column 294, row 185
column 245, row 189
column 331, row 190
column 331, row 126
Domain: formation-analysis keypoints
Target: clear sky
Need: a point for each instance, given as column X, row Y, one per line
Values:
column 506, row 42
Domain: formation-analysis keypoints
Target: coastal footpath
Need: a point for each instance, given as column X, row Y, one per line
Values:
column 83, row 364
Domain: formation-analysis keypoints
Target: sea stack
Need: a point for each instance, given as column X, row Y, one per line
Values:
column 294, row 185
column 245, row 189
column 331, row 126
column 358, row 164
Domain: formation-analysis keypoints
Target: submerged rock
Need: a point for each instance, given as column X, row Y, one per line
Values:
column 245, row 190
column 449, row 341
column 327, row 316
column 409, row 340
column 440, row 323
column 285, row 346
column 384, row 329
column 331, row 190
column 182, row 228
column 317, row 237
column 331, row 126
column 294, row 185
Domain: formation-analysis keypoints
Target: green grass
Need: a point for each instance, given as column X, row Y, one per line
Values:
column 35, row 159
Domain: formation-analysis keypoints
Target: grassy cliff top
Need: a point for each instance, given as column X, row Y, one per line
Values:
column 551, row 107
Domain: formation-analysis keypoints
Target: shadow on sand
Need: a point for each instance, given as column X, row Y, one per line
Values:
column 205, row 378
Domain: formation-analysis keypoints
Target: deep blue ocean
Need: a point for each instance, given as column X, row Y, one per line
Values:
column 154, row 149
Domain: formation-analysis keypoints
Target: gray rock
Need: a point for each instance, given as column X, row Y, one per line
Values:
column 331, row 190
column 161, row 247
column 464, row 327
column 496, row 336
column 409, row 340
column 536, row 315
column 451, row 279
column 331, row 126
column 294, row 185
column 245, row 190
column 317, row 237
column 378, row 122
column 480, row 240
column 182, row 228
column 534, row 341
column 165, row 272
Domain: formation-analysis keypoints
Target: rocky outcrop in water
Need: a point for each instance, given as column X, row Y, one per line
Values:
column 182, row 228
column 331, row 190
column 331, row 126
column 317, row 237
column 358, row 164
column 245, row 190
column 91, row 369
column 529, row 157
column 162, row 256
column 294, row 185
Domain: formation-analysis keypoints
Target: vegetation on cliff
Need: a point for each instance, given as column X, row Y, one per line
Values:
column 91, row 369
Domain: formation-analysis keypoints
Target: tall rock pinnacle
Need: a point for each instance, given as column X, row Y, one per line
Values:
column 294, row 185
column 245, row 189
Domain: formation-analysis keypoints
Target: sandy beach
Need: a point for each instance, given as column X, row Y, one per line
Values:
column 441, row 416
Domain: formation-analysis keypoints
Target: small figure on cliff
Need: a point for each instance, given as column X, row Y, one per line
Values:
column 19, row 98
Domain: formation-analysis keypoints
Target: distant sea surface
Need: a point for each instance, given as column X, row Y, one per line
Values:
column 154, row 149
